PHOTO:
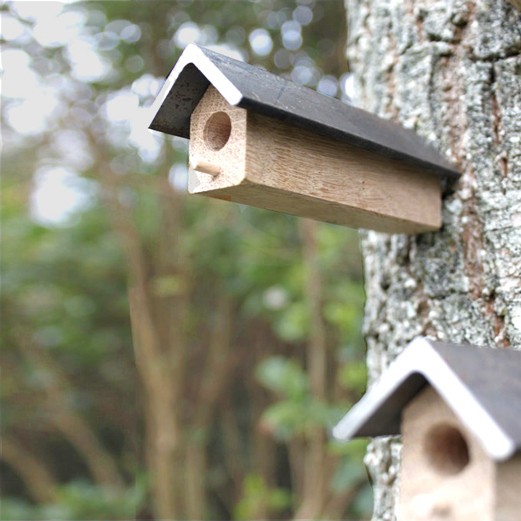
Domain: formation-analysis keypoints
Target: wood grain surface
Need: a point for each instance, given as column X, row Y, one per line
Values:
column 273, row 165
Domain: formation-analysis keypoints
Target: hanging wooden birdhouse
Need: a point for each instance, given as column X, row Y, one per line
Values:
column 260, row 140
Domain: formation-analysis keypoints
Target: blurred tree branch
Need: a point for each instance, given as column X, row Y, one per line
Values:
column 37, row 477
column 57, row 390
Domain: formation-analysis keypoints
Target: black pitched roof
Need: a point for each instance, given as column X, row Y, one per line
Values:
column 256, row 89
column 481, row 385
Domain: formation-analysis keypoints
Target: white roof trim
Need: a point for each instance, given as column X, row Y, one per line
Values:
column 420, row 357
column 194, row 55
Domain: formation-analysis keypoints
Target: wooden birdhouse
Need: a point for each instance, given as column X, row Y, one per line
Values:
column 260, row 140
column 458, row 409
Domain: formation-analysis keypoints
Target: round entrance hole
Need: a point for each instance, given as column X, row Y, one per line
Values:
column 446, row 449
column 217, row 130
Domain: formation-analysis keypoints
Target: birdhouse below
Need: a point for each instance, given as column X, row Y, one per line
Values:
column 455, row 407
column 260, row 140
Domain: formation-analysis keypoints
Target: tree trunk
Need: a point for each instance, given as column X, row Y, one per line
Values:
column 451, row 70
column 315, row 458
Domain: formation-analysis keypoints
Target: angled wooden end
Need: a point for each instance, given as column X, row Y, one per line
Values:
column 245, row 157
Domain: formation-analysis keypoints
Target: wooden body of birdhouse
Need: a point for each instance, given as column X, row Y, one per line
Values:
column 457, row 409
column 260, row 140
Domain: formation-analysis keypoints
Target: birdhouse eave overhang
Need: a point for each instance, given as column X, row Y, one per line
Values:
column 481, row 386
column 254, row 88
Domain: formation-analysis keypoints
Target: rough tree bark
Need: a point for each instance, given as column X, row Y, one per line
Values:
column 451, row 70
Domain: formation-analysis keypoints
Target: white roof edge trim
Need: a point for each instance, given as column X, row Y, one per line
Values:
column 195, row 56
column 494, row 440
column 225, row 87
column 391, row 379
column 346, row 427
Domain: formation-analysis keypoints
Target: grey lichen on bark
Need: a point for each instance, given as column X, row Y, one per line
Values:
column 450, row 70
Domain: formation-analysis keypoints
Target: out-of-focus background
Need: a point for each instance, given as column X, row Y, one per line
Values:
column 165, row 356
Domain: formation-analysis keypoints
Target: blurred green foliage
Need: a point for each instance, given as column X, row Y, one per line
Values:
column 72, row 397
column 79, row 500
column 257, row 495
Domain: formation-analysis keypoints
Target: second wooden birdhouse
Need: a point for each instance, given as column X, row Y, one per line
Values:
column 458, row 410
column 260, row 140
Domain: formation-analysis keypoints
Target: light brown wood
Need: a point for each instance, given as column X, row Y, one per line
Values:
column 508, row 491
column 437, row 481
column 444, row 480
column 241, row 156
